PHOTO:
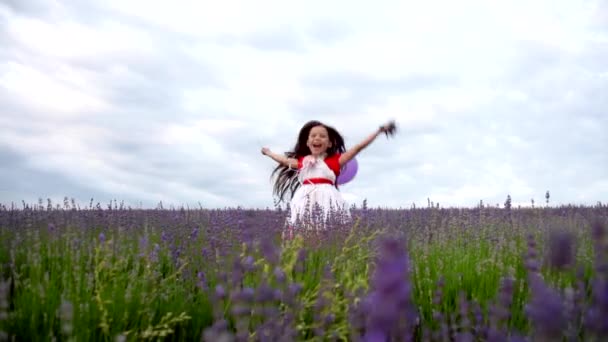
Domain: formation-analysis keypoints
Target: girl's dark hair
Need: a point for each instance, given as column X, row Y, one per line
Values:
column 286, row 179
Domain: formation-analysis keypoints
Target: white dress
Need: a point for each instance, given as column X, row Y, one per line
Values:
column 317, row 177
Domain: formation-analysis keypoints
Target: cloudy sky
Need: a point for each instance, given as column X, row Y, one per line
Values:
column 146, row 101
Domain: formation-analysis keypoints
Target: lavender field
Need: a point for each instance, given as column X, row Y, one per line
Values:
column 110, row 273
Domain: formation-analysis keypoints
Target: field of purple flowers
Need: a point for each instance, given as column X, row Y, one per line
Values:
column 104, row 273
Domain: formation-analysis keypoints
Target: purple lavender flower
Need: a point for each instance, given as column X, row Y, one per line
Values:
column 248, row 264
column 502, row 311
column 270, row 251
column 220, row 292
column 194, row 233
column 202, row 281
column 596, row 315
column 464, row 332
column 218, row 332
column 279, row 275
column 294, row 289
column 154, row 257
column 143, row 245
column 546, row 310
column 264, row 293
column 561, row 250
column 531, row 262
column 390, row 299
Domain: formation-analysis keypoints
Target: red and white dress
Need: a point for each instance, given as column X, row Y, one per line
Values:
column 317, row 176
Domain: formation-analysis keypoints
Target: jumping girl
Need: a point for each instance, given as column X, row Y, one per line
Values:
column 310, row 171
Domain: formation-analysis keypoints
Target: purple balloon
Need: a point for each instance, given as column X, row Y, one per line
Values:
column 349, row 172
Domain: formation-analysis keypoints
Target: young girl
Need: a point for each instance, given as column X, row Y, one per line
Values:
column 310, row 171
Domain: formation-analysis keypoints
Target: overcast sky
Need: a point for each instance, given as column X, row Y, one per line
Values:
column 172, row 101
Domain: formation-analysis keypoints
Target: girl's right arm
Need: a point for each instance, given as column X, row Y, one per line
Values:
column 281, row 159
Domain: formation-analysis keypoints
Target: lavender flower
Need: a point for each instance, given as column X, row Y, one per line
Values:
column 546, row 310
column 464, row 333
column 202, row 281
column 531, row 262
column 279, row 275
column 561, row 250
column 390, row 299
column 270, row 251
column 218, row 332
column 194, row 233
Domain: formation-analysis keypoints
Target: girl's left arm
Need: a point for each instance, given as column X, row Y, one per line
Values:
column 351, row 153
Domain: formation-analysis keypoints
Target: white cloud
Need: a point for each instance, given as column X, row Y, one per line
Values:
column 65, row 95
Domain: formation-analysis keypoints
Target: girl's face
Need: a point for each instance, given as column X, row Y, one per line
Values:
column 318, row 140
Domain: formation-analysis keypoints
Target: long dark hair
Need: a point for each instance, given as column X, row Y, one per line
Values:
column 286, row 179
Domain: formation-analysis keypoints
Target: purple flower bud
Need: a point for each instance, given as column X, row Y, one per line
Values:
column 269, row 251
column 240, row 309
column 329, row 319
column 218, row 332
column 561, row 250
column 596, row 314
column 247, row 294
column 279, row 275
column 265, row 293
column 294, row 289
column 531, row 262
column 220, row 293
column 545, row 310
column 390, row 298
column 248, row 263
column 202, row 282
column 302, row 253
column 194, row 234
column 221, row 324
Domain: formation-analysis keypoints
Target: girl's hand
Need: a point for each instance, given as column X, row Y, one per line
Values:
column 388, row 128
column 265, row 151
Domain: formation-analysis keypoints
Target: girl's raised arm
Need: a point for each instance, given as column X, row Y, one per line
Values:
column 281, row 159
column 388, row 128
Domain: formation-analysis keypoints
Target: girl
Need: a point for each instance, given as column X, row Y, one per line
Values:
column 310, row 171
